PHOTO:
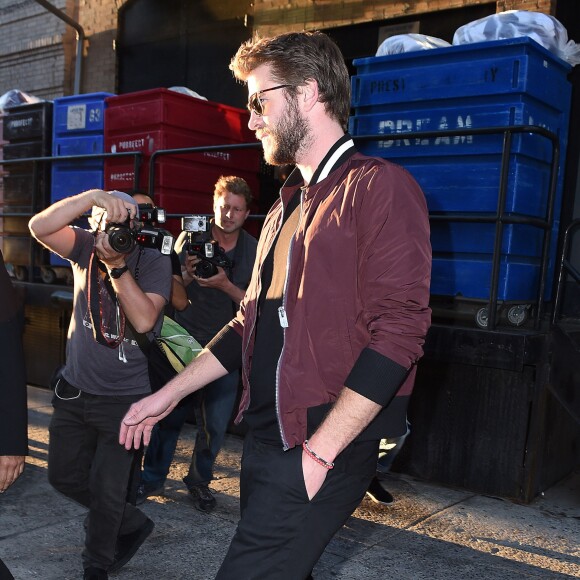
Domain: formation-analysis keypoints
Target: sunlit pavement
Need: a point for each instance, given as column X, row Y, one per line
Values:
column 429, row 532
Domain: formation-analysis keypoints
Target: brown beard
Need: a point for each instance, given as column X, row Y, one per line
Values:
column 288, row 136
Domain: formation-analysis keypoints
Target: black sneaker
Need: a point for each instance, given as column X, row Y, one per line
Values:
column 378, row 493
column 146, row 490
column 128, row 544
column 92, row 573
column 203, row 498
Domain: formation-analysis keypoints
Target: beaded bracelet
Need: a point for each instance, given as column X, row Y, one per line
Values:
column 316, row 457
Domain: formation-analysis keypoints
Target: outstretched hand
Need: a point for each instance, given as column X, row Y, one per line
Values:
column 11, row 467
column 141, row 417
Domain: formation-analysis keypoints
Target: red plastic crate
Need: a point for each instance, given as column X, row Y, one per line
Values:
column 157, row 119
column 156, row 108
column 150, row 141
column 174, row 174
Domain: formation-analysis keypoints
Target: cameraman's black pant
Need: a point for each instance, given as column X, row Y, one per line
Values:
column 281, row 533
column 87, row 464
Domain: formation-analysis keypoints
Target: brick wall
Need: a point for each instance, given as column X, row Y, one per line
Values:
column 99, row 21
column 31, row 48
column 545, row 6
column 275, row 16
column 38, row 49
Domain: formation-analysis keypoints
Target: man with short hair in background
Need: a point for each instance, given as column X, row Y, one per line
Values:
column 213, row 301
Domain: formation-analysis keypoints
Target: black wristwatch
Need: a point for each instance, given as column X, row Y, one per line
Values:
column 118, row 272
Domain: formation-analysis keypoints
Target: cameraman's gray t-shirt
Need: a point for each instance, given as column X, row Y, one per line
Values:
column 96, row 368
column 211, row 309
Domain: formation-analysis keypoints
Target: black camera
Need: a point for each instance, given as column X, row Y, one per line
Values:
column 199, row 243
column 123, row 237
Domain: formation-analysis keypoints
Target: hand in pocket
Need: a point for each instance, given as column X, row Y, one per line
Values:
column 314, row 475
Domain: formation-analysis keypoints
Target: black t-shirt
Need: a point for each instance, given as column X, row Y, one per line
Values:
column 261, row 414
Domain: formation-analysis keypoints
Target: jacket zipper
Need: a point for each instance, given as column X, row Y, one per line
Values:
column 284, row 323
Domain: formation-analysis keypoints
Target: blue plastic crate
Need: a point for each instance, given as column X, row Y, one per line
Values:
column 499, row 67
column 471, row 184
column 79, row 145
column 469, row 276
column 462, row 114
column 479, row 238
column 78, row 129
column 67, row 180
column 73, row 176
column 79, row 114
column 489, row 84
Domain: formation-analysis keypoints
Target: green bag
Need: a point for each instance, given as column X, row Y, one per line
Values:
column 177, row 344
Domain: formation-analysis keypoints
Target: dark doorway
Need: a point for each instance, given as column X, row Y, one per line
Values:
column 181, row 43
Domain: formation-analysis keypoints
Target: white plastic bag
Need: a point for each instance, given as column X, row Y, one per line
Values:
column 544, row 29
column 15, row 97
column 188, row 92
column 409, row 43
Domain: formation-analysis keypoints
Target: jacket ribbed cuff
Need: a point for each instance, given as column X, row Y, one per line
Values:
column 376, row 377
column 226, row 346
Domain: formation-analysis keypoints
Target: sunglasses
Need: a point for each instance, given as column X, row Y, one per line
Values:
column 254, row 102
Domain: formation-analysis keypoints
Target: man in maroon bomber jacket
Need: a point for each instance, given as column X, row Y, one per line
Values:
column 332, row 324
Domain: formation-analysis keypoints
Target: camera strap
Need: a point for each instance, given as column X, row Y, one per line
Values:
column 104, row 308
column 142, row 340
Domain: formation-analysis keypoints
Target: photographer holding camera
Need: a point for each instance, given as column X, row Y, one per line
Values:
column 214, row 294
column 117, row 296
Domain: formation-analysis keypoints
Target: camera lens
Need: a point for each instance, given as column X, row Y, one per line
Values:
column 121, row 239
column 205, row 269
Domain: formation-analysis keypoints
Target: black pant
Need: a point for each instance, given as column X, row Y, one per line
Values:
column 281, row 533
column 87, row 464
column 4, row 572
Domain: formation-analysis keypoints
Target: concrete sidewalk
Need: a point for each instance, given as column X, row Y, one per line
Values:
column 430, row 532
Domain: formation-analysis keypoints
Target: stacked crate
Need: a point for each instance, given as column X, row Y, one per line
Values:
column 78, row 129
column 484, row 85
column 27, row 132
column 157, row 119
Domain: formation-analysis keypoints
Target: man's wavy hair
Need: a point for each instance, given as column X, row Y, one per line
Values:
column 296, row 57
column 235, row 185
